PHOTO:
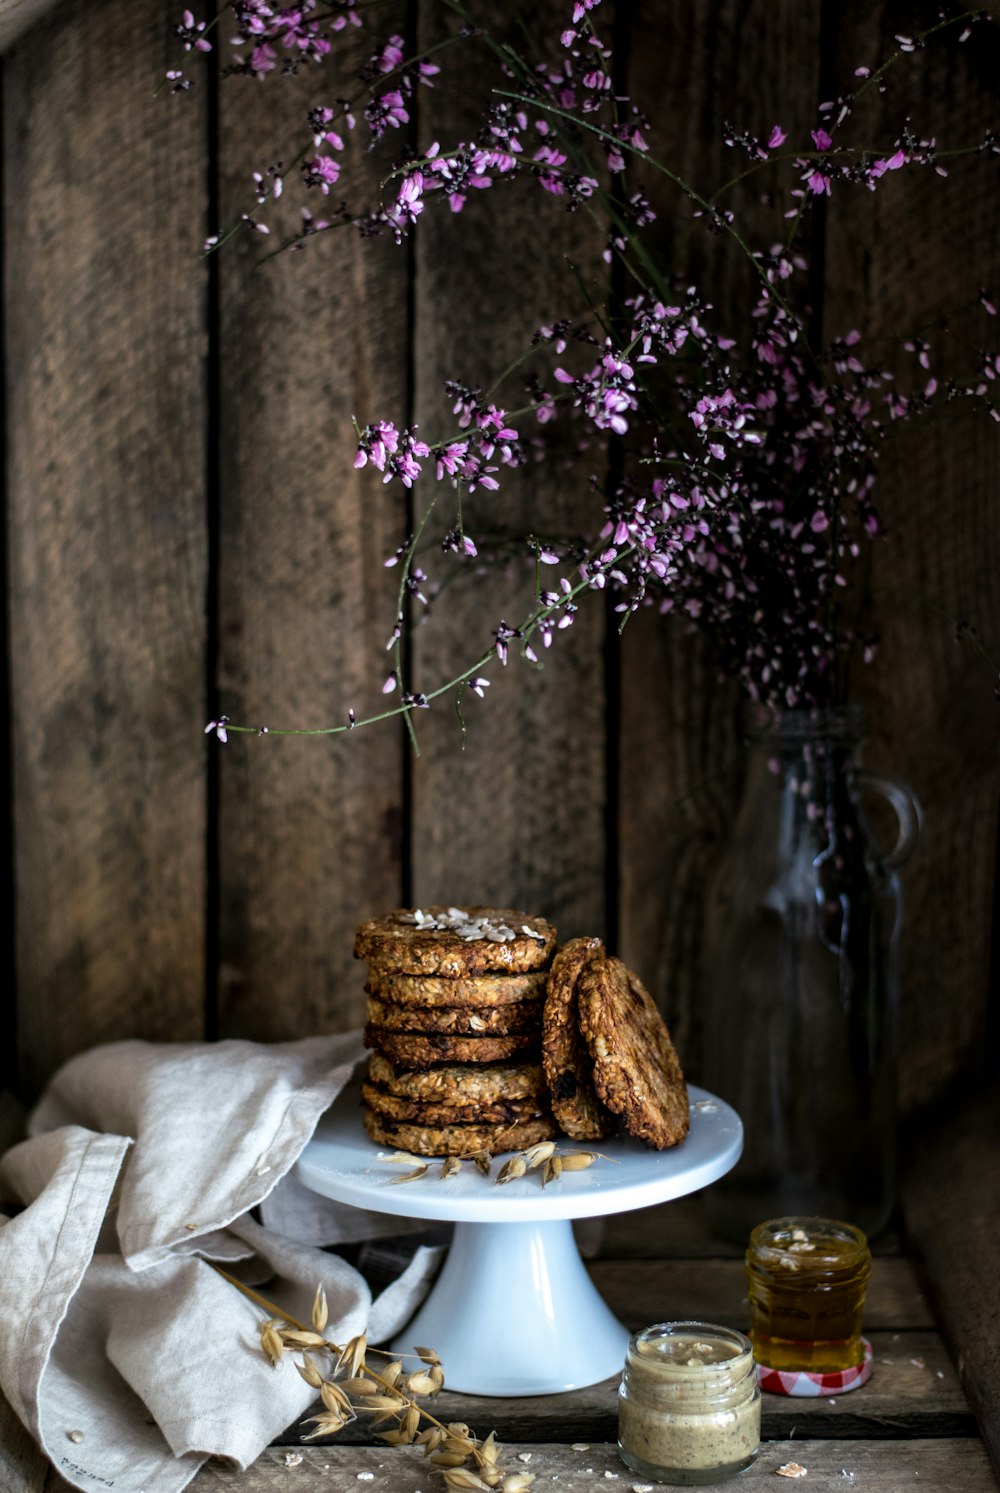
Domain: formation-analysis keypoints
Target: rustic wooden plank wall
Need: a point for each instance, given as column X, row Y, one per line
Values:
column 106, row 525
column 185, row 532
column 309, row 832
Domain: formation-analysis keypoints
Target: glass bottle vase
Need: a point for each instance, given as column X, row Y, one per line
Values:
column 801, row 989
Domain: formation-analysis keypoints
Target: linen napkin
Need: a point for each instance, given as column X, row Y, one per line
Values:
column 124, row 1353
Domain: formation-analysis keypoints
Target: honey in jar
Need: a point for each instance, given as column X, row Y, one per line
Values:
column 807, row 1279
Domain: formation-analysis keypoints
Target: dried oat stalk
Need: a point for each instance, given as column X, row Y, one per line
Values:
column 544, row 1158
column 548, row 1161
column 391, row 1395
column 449, row 1167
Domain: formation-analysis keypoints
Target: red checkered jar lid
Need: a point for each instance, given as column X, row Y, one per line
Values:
column 809, row 1384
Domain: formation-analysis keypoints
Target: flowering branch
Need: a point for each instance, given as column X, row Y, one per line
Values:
column 747, row 458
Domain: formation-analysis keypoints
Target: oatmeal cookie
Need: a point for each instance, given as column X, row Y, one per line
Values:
column 415, row 1112
column 459, row 1083
column 566, row 1061
column 459, row 1140
column 433, row 990
column 455, row 941
column 423, row 1049
column 499, row 1021
column 636, row 1070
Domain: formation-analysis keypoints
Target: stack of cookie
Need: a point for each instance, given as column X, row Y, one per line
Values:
column 455, row 1000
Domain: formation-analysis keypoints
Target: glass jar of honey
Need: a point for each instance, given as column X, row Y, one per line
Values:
column 807, row 1279
column 689, row 1404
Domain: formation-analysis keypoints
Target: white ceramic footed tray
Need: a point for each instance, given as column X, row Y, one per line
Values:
column 513, row 1311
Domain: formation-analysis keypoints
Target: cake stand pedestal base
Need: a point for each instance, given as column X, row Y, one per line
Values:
column 514, row 1312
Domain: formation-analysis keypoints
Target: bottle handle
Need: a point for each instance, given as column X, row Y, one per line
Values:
column 906, row 807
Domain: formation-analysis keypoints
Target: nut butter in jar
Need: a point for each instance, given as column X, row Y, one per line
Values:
column 689, row 1405
column 807, row 1279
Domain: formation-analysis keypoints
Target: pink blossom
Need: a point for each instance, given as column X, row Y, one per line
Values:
column 879, row 168
column 321, row 172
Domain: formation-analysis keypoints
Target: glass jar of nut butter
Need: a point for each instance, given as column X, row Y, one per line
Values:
column 689, row 1405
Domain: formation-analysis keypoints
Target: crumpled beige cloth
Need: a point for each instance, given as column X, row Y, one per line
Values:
column 125, row 1354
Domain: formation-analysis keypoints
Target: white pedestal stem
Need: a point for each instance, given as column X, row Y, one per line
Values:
column 514, row 1312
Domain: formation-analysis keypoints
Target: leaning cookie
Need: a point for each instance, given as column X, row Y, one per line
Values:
column 423, row 1049
column 636, row 1070
column 459, row 1140
column 455, row 941
column 568, row 1066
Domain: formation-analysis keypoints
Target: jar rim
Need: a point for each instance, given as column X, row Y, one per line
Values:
column 778, row 1237
column 710, row 1331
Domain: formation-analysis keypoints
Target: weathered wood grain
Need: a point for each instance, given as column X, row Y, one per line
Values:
column 913, row 1391
column 694, row 67
column 517, row 818
column 643, row 1291
column 904, row 259
column 17, row 15
column 952, row 1198
column 310, row 834
column 674, row 1230
column 105, row 329
column 888, row 1467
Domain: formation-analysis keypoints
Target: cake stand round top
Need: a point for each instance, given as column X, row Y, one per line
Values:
column 341, row 1163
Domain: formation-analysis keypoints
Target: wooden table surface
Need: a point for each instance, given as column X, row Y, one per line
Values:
column 910, row 1426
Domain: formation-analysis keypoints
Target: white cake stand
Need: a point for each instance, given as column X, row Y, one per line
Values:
column 513, row 1311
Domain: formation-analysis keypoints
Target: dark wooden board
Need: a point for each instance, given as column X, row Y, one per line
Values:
column 900, row 260
column 694, row 67
column 676, row 1230
column 887, row 1467
column 105, row 323
column 643, row 1291
column 912, row 251
column 517, row 818
column 310, row 836
column 913, row 1391
column 952, row 1197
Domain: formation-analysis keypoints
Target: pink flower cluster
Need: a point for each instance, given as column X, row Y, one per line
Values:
column 745, row 459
